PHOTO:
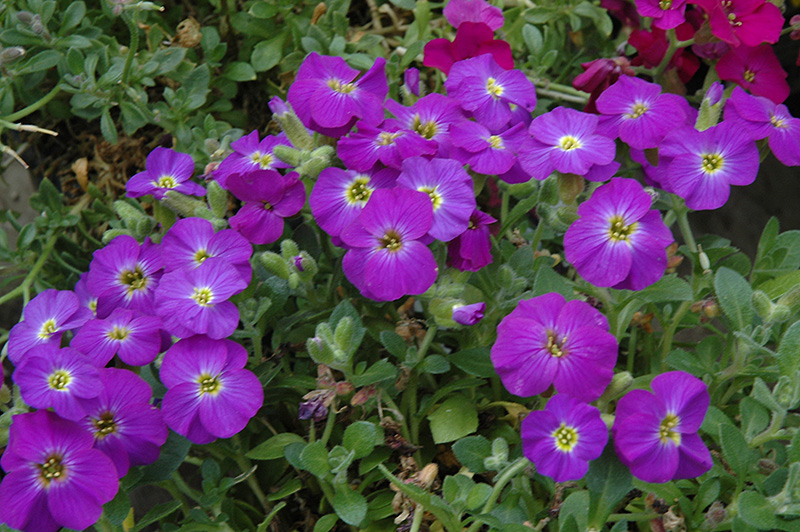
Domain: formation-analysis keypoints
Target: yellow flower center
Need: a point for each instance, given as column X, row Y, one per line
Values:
column 338, row 86
column 118, row 333
column 391, row 241
column 134, row 280
column 665, row 4
column 201, row 255
column 712, row 162
column 203, row 296
column 48, row 328
column 104, row 425
column 749, row 76
column 496, row 142
column 436, row 198
column 385, row 138
column 637, row 110
column 666, row 430
column 264, row 161
column 426, row 129
column 51, row 470
column 568, row 143
column 554, row 345
column 777, row 122
column 59, row 380
column 209, row 384
column 358, row 191
column 493, row 88
column 620, row 232
column 566, row 438
column 166, row 181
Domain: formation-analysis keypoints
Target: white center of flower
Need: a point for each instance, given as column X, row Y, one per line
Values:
column 338, row 86
column 494, row 88
column 712, row 162
column 358, row 191
column 59, row 380
column 209, row 384
column 496, row 142
column 436, row 197
column 48, row 329
column 118, row 333
column 618, row 231
column 637, row 110
column 569, row 143
column 203, row 296
column 566, row 438
column 166, row 181
column 52, row 469
column 666, row 430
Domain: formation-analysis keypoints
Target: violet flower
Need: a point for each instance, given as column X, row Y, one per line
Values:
column 655, row 434
column 563, row 438
column 45, row 318
column 411, row 81
column 390, row 144
column 209, row 393
column 134, row 337
column 468, row 314
column 165, row 170
column 548, row 341
column 484, row 152
column 251, row 154
column 745, row 22
column 386, row 259
column 618, row 241
column 430, row 117
column 268, row 198
column 757, row 70
column 54, row 478
column 126, row 427
column 458, row 12
column 472, row 249
column 666, row 14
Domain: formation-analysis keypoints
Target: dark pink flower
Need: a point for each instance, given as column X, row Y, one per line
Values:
column 472, row 39
column 598, row 76
column 757, row 70
column 472, row 249
column 748, row 22
column 666, row 14
column 458, row 12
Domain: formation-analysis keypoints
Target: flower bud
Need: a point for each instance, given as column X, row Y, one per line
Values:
column 704, row 262
column 468, row 314
column 275, row 264
column 710, row 108
column 111, row 234
column 26, row 17
column 549, row 191
column 9, row 54
column 790, row 298
column 569, row 187
column 129, row 214
column 343, row 336
column 289, row 249
column 763, row 305
column 217, row 199
column 313, row 166
column 287, row 154
column 181, row 204
column 787, row 391
column 290, row 124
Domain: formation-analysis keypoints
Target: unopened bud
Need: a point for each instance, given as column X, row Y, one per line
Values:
column 26, row 17
column 289, row 249
column 715, row 515
column 217, row 199
column 500, row 449
column 549, row 191
column 363, row 395
column 111, row 234
column 710, row 108
column 619, row 385
column 294, row 280
column 704, row 262
column 9, row 54
column 343, row 335
column 181, row 204
column 287, row 154
column 763, row 305
column 275, row 264
column 291, row 125
column 569, row 187
column 787, row 391
column 314, row 166
column 427, row 476
column 780, row 313
column 790, row 298
column 128, row 213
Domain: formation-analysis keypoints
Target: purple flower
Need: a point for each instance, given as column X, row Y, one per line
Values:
column 251, row 154
column 196, row 301
column 706, row 163
column 54, row 477
column 468, row 314
column 459, row 11
column 126, row 427
column 472, row 249
column 488, row 90
column 136, row 338
column 85, row 297
column 666, row 14
column 340, row 195
column 472, row 39
column 209, row 393
column 268, row 198
column 389, row 144
column 549, row 341
column 166, row 169
column 655, row 434
column 62, row 379
column 566, row 140
column 46, row 317
column 637, row 112
column 484, row 152
column 411, row 81
column 327, row 98
column 190, row 241
column 430, row 117
column 761, row 118
column 450, row 189
column 125, row 275
column 561, row 439
column 714, row 93
column 618, row 241
column 386, row 260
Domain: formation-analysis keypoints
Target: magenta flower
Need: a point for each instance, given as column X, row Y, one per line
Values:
column 762, row 118
column 472, row 39
column 45, row 318
column 566, row 140
column 618, row 241
column 386, row 259
column 190, row 241
column 637, row 112
column 62, row 379
column 327, row 97
column 196, row 301
column 54, row 477
column 748, row 22
column 550, row 341
column 472, row 249
column 706, row 163
column 563, row 438
column 666, row 14
column 598, row 76
column 126, row 427
column 134, row 337
column 209, row 393
column 251, row 154
column 340, row 195
column 165, row 170
column 487, row 90
column 125, row 275
column 458, row 12
column 411, row 81
column 85, row 297
column 468, row 314
column 450, row 189
column 430, row 117
column 655, row 434
column 485, row 152
column 389, row 144
column 268, row 198
column 756, row 70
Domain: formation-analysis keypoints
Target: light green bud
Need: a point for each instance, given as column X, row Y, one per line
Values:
column 289, row 249
column 294, row 280
column 313, row 166
column 500, row 449
column 763, row 305
column 275, row 264
column 294, row 129
column 790, row 298
column 343, row 336
column 181, row 204
column 549, row 191
column 111, row 234
column 129, row 214
column 217, row 199
column 287, row 154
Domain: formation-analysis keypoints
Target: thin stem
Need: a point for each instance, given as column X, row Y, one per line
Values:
column 682, row 213
column 35, row 106
column 510, row 472
column 245, row 465
column 669, row 332
column 419, row 512
column 134, row 29
column 326, row 434
column 24, row 288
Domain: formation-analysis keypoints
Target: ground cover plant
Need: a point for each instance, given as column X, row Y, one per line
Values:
column 449, row 282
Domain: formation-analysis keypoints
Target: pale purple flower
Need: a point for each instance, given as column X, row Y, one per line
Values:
column 390, row 144
column 54, row 477
column 196, row 301
column 411, row 81
column 550, row 341
column 250, row 154
column 458, row 11
column 450, row 189
column 209, row 393
column 136, row 338
column 472, row 249
column 618, row 241
column 484, row 152
column 85, row 297
column 655, row 434
column 561, row 439
column 45, row 318
column 430, row 117
column 386, row 259
column 468, row 314
column 166, row 170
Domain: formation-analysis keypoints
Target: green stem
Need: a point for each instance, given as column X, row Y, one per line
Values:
column 130, row 21
column 682, row 213
column 505, row 477
column 769, row 433
column 245, row 465
column 669, row 332
column 419, row 512
column 674, row 45
column 537, row 235
column 35, row 106
column 326, row 434
column 24, row 288
column 504, row 207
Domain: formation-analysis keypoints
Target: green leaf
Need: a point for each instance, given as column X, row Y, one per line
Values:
column 171, row 457
column 735, row 450
column 394, row 343
column 157, row 512
column 688, row 362
column 314, row 459
column 575, row 507
column 41, row 61
column 756, row 511
column 435, row 364
column 768, row 237
column 608, row 482
column 262, row 526
column 380, row 371
column 533, row 39
column 239, row 71
column 778, row 286
column 107, row 127
column 668, row 288
column 272, row 449
column 72, row 16
column 325, row 523
column 349, row 505
column 475, row 361
column 735, row 297
column 443, row 513
column 117, row 509
column 360, row 437
column 404, row 4
column 267, row 54
column 789, row 351
column 292, row 486
column 454, row 419
column 478, row 496
column 263, row 9
column 471, row 452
